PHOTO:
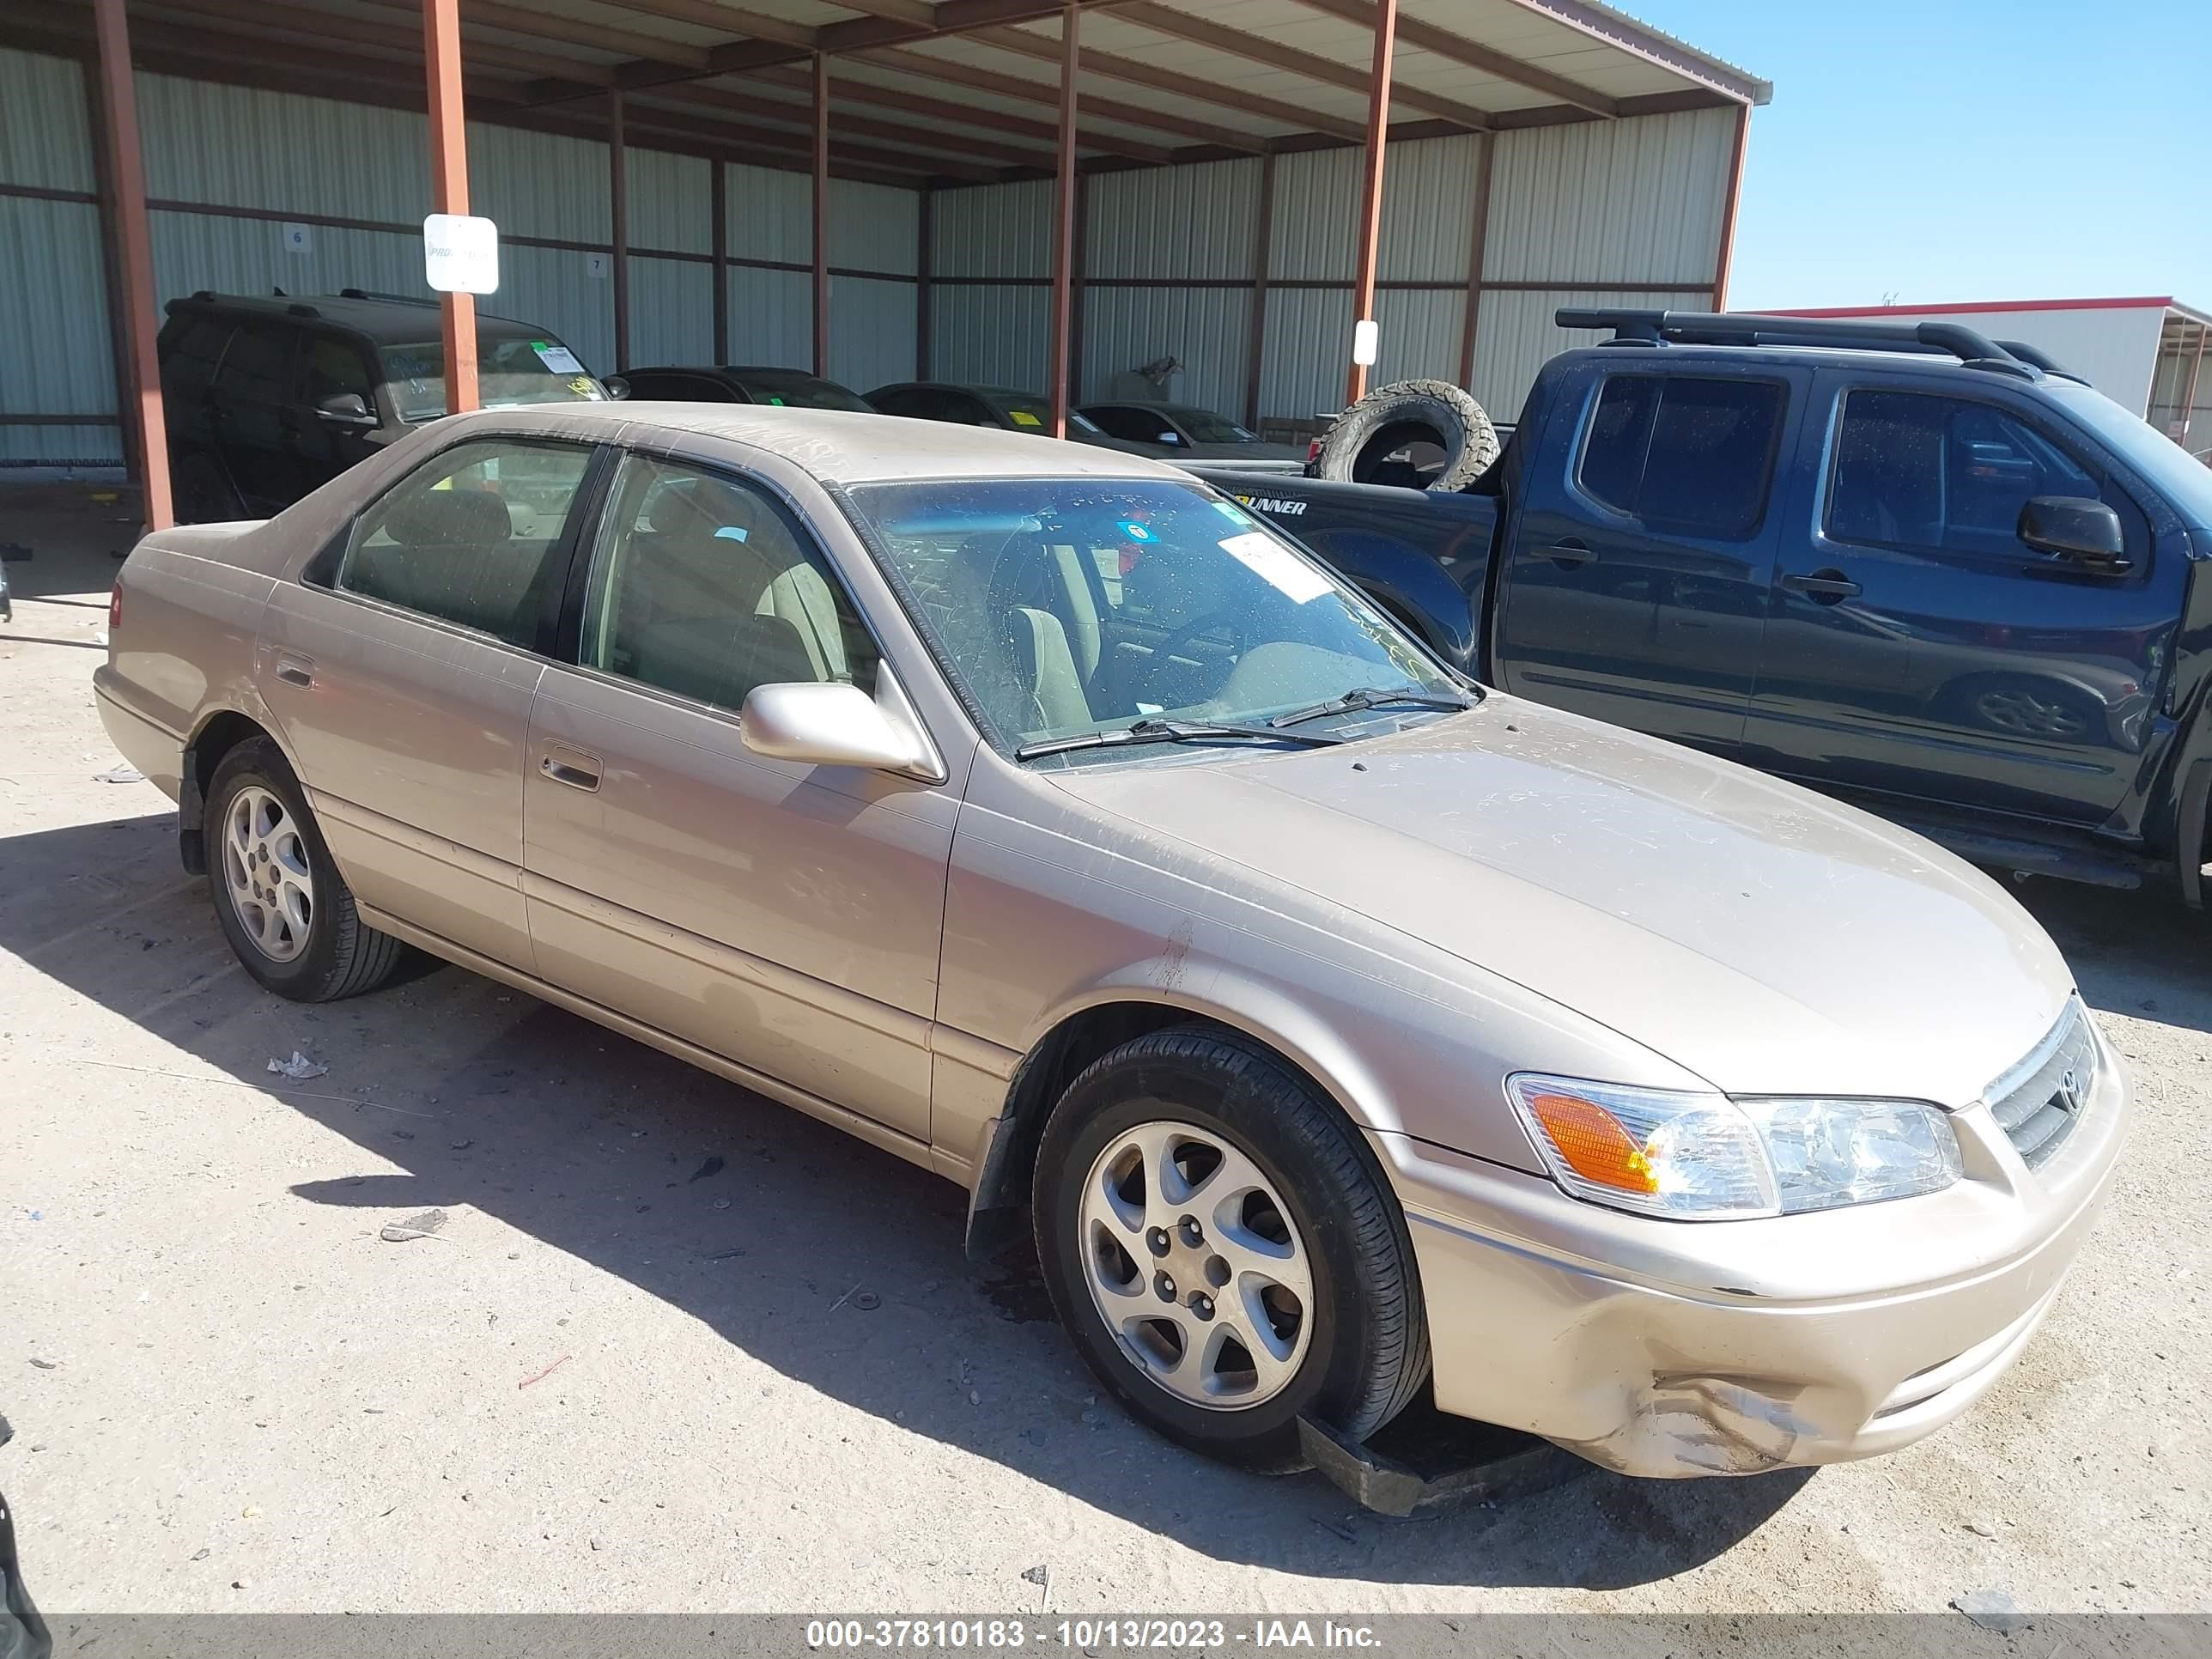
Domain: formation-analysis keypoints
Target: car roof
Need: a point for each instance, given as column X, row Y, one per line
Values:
column 1144, row 403
column 976, row 387
column 836, row 446
column 384, row 321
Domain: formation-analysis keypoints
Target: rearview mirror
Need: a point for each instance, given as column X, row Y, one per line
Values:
column 826, row 724
column 2075, row 527
column 345, row 409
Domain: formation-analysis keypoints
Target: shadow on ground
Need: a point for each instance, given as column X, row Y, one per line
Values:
column 765, row 1226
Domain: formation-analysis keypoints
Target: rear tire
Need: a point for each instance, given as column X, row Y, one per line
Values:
column 285, row 909
column 1195, row 1163
column 1358, row 442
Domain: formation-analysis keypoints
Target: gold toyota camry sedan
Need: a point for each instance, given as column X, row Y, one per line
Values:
column 1341, row 1027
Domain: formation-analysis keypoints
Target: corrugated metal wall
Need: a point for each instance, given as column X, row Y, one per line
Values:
column 55, row 358
column 1169, row 261
column 1623, row 210
column 245, row 160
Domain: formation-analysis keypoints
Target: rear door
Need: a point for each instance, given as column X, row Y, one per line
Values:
column 1636, row 576
column 1918, row 646
column 254, row 417
column 400, row 668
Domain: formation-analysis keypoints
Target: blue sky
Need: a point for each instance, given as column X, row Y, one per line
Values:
column 1967, row 150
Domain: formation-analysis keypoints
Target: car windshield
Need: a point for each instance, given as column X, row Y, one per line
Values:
column 1062, row 608
column 510, row 369
column 1206, row 426
column 1030, row 414
column 2184, row 480
column 789, row 388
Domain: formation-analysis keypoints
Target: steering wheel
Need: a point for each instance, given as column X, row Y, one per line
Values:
column 1213, row 620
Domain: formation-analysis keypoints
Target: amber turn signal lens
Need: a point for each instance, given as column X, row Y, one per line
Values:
column 1592, row 1143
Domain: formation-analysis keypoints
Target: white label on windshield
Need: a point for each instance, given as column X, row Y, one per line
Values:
column 558, row 358
column 1277, row 566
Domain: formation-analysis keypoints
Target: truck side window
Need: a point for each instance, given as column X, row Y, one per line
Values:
column 1949, row 475
column 1683, row 456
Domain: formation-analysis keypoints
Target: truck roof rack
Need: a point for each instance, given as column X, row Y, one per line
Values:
column 1744, row 328
column 2043, row 359
column 372, row 293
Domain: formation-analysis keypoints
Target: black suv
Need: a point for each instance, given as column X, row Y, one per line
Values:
column 267, row 397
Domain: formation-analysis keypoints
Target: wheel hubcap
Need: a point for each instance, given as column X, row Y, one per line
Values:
column 1193, row 1263
column 266, row 873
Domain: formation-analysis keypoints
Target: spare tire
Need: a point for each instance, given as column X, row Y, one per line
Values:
column 1358, row 444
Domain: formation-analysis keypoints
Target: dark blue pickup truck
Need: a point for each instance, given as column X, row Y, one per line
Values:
column 1903, row 564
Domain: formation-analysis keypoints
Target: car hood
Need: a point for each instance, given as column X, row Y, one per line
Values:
column 1763, row 937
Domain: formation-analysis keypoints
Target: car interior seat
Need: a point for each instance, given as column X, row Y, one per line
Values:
column 1016, row 654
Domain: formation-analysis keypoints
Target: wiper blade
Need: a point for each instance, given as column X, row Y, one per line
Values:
column 1368, row 697
column 1157, row 730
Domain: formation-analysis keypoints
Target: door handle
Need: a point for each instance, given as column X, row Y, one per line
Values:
column 1567, row 554
column 295, row 670
column 1823, row 586
column 576, row 777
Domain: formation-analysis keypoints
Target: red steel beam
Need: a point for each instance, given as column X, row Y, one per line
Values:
column 449, row 184
column 1370, row 198
column 1063, row 255
column 135, row 256
column 822, row 214
column 1727, row 254
column 618, row 228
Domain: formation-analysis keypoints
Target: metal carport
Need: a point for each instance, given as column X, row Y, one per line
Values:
column 1051, row 186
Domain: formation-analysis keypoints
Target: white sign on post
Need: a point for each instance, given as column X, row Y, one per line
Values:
column 1365, row 338
column 460, row 253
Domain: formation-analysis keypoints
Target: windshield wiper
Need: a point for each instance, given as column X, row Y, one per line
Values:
column 1159, row 731
column 1368, row 697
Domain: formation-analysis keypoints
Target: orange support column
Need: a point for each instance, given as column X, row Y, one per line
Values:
column 449, row 186
column 134, row 258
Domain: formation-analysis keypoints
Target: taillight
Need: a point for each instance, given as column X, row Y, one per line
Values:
column 115, row 608
column 1313, row 451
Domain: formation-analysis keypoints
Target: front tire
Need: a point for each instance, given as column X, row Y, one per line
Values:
column 287, row 912
column 1224, row 1250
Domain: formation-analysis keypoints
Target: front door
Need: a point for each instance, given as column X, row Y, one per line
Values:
column 783, row 915
column 1636, row 578
column 400, row 669
column 1917, row 646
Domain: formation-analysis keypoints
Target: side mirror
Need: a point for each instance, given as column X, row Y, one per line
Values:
column 826, row 724
column 345, row 409
column 618, row 388
column 2075, row 527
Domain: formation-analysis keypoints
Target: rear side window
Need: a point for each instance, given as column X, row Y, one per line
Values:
column 1950, row 475
column 470, row 536
column 1683, row 456
column 198, row 347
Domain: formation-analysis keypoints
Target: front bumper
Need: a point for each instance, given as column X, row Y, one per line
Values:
column 1687, row 1348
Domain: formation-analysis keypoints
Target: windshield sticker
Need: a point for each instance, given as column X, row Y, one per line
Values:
column 1135, row 531
column 776, row 402
column 584, row 386
column 558, row 358
column 731, row 532
column 1022, row 417
column 1276, row 565
column 1229, row 511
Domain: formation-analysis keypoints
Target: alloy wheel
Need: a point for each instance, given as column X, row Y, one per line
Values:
column 1193, row 1260
column 267, row 874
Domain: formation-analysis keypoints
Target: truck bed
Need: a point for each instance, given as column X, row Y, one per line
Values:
column 1423, row 555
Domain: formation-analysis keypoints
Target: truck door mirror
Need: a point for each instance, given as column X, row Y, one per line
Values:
column 2075, row 527
column 345, row 409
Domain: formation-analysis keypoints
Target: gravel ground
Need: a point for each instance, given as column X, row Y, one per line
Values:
column 679, row 1349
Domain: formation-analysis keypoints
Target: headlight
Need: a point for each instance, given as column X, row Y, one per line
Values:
column 1708, row 1158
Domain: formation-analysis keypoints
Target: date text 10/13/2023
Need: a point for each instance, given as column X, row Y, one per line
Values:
column 1087, row 1635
